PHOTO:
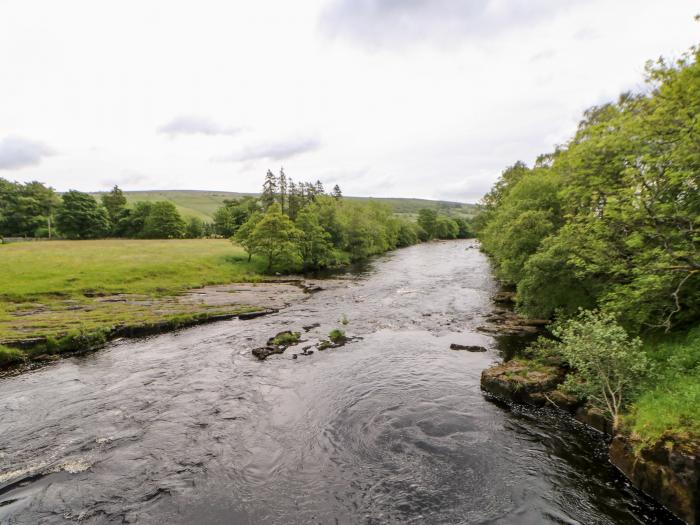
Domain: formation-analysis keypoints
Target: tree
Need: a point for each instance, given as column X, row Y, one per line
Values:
column 315, row 243
column 269, row 190
column 132, row 220
column 115, row 203
column 319, row 188
column 195, row 228
column 446, row 228
column 407, row 234
column 427, row 219
column 81, row 217
column 243, row 236
column 337, row 194
column 283, row 191
column 607, row 364
column 27, row 209
column 164, row 222
column 276, row 238
column 465, row 229
column 229, row 217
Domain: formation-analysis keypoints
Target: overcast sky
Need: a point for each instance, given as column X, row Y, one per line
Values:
column 409, row 98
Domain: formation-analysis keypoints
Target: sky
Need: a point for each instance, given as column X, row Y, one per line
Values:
column 387, row 98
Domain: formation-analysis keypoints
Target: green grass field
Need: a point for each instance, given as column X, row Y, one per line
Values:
column 203, row 204
column 56, row 287
column 32, row 270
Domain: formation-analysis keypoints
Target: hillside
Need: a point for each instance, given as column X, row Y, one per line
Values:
column 202, row 204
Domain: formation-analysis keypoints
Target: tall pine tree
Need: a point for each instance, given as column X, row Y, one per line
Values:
column 269, row 190
column 283, row 191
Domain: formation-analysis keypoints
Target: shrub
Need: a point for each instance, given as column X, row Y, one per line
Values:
column 607, row 365
column 10, row 356
column 286, row 338
column 336, row 335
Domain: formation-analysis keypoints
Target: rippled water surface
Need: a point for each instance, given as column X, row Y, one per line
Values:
column 189, row 428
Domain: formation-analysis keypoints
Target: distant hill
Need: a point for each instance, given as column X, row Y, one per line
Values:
column 203, row 204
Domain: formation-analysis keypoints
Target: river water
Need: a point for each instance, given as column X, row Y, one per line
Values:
column 188, row 427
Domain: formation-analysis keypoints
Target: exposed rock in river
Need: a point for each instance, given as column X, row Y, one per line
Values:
column 468, row 348
column 507, row 322
column 264, row 352
column 522, row 381
column 504, row 297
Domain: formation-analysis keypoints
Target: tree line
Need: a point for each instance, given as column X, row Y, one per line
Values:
column 301, row 227
column 35, row 210
column 612, row 218
column 609, row 222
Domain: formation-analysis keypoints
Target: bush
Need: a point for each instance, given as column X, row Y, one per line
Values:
column 286, row 338
column 10, row 356
column 607, row 365
column 336, row 335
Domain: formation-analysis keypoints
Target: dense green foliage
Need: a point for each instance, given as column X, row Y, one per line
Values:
column 607, row 364
column 297, row 226
column 26, row 210
column 35, row 210
column 300, row 227
column 81, row 217
column 232, row 214
column 611, row 218
column 611, row 221
column 163, row 222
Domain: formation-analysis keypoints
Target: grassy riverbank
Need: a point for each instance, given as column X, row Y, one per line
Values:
column 75, row 269
column 74, row 289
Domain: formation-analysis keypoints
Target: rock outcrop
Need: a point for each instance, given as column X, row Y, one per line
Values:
column 668, row 471
column 506, row 322
column 523, row 381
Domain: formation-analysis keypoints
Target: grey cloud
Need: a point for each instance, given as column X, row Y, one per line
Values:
column 17, row 152
column 280, row 150
column 194, row 125
column 379, row 22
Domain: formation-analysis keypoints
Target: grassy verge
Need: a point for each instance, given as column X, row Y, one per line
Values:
column 666, row 405
column 63, row 293
column 670, row 403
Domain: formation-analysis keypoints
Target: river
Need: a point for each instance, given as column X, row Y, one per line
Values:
column 188, row 427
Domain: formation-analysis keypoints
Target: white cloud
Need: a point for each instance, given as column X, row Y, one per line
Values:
column 17, row 152
column 194, row 125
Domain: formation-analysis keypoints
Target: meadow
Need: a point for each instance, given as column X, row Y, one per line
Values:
column 56, row 288
column 35, row 270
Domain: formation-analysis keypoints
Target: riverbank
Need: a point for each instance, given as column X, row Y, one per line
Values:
column 68, row 296
column 667, row 469
column 126, row 316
